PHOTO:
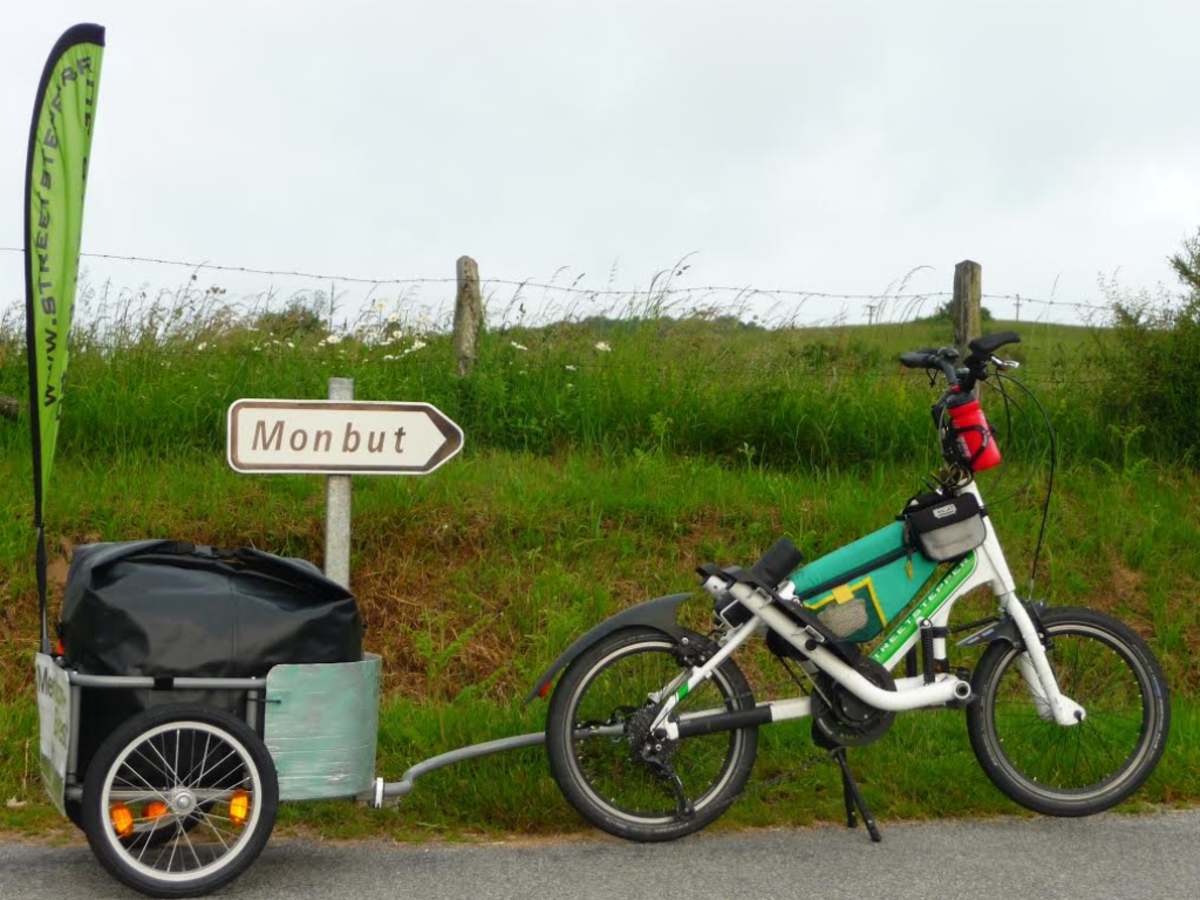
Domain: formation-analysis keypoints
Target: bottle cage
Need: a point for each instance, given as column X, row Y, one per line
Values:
column 952, row 448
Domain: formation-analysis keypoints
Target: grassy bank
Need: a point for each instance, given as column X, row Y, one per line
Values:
column 816, row 398
column 472, row 580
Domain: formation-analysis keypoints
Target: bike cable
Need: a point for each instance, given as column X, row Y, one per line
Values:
column 1053, row 441
column 1010, row 403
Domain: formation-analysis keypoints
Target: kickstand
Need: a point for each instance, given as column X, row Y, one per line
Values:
column 854, row 798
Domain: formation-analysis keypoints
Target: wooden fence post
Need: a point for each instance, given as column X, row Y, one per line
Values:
column 468, row 315
column 968, row 297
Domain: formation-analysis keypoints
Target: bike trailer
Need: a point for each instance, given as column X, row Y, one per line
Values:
column 266, row 639
column 857, row 589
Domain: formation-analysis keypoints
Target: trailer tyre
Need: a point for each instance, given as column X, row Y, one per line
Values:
column 179, row 800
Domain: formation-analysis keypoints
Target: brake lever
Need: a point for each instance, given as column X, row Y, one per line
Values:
column 1005, row 365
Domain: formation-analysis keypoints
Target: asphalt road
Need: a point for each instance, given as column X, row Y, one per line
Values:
column 1121, row 857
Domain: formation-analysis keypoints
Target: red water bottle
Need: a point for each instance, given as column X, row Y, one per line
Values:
column 973, row 432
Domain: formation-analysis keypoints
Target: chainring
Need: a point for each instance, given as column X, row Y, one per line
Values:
column 842, row 720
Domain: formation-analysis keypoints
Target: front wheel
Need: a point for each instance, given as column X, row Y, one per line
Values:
column 613, row 771
column 1080, row 769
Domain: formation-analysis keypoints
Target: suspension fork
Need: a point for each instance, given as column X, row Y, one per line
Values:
column 1035, row 670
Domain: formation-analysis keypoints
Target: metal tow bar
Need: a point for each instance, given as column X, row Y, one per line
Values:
column 404, row 786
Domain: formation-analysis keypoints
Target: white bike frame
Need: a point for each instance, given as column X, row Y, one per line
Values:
column 985, row 565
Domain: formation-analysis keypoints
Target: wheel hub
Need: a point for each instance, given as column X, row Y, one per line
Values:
column 183, row 801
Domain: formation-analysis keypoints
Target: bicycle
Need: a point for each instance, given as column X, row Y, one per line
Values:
column 652, row 729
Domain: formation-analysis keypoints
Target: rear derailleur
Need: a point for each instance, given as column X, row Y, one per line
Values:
column 656, row 750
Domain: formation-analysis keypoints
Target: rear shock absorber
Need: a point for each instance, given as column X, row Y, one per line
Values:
column 927, row 662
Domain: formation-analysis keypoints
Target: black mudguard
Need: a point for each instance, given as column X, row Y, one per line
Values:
column 658, row 613
column 1006, row 630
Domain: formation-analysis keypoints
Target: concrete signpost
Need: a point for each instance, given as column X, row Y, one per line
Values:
column 338, row 438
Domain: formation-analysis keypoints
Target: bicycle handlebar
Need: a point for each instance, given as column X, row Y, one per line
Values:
column 961, row 380
column 933, row 359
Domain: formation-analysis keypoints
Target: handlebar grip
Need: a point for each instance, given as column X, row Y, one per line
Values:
column 780, row 561
column 930, row 360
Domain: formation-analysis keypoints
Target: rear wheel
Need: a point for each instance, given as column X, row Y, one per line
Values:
column 1080, row 769
column 179, row 800
column 609, row 766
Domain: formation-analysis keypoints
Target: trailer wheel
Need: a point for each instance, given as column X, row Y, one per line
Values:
column 179, row 800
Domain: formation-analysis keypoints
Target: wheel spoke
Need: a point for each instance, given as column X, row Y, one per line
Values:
column 148, row 840
column 187, row 838
column 144, row 782
column 157, row 768
column 197, row 764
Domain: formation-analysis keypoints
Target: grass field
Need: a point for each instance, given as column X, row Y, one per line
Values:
column 595, row 478
column 812, row 398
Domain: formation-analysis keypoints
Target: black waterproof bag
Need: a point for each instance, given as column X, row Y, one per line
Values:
column 163, row 609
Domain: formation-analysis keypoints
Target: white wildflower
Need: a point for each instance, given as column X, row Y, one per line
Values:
column 203, row 345
column 418, row 344
column 603, row 347
column 388, row 357
column 517, row 346
column 291, row 346
column 569, row 368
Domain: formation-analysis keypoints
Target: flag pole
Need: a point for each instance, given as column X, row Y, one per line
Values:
column 60, row 140
column 42, row 564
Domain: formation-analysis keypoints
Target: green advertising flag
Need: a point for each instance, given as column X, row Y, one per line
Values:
column 60, row 140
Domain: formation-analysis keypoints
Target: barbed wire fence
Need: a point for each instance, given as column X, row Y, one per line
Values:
column 351, row 303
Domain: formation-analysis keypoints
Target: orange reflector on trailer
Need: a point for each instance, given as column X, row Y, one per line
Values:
column 122, row 819
column 155, row 810
column 239, row 807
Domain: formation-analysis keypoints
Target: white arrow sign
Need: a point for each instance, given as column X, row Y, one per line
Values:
column 330, row 437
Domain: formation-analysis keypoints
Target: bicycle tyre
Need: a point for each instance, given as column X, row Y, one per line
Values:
column 1105, row 667
column 591, row 772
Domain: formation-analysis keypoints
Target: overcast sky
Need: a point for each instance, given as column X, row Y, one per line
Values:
column 818, row 146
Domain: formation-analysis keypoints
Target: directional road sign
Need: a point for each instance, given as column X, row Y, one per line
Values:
column 330, row 437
